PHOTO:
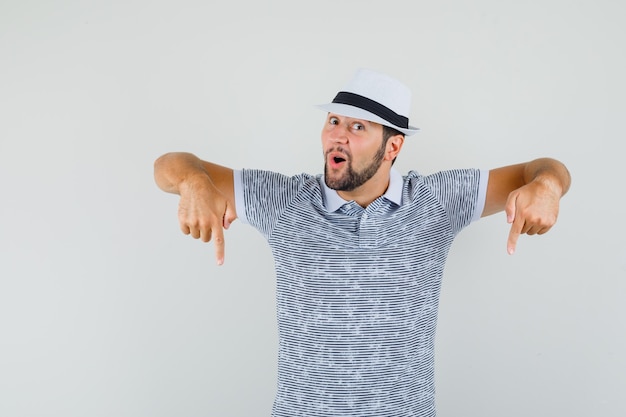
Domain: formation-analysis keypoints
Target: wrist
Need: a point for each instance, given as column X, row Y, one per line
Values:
column 194, row 181
column 550, row 173
column 551, row 182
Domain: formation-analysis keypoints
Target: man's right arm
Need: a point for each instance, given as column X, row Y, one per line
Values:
column 207, row 196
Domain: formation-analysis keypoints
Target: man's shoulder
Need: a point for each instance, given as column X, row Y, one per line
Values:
column 440, row 176
column 440, row 181
column 283, row 186
column 265, row 176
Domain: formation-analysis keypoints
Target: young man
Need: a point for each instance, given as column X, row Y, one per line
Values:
column 359, row 251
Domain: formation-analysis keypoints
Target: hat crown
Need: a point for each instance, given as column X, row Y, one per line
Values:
column 376, row 97
column 381, row 88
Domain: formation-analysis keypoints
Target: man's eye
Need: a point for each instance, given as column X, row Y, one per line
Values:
column 357, row 126
column 333, row 121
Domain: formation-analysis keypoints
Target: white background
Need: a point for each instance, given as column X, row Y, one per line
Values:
column 106, row 309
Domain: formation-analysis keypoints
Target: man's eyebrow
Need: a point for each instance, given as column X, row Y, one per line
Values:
column 351, row 119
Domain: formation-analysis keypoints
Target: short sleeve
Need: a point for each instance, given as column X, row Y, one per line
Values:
column 262, row 196
column 461, row 193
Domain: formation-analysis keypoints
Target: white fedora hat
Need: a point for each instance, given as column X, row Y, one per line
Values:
column 375, row 97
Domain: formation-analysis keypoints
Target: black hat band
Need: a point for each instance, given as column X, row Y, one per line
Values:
column 356, row 100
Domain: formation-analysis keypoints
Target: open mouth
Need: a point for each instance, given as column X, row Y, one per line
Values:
column 336, row 161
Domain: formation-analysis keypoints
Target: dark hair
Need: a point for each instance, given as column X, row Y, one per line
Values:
column 389, row 132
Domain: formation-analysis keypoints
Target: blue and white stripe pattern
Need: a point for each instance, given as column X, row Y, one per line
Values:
column 358, row 288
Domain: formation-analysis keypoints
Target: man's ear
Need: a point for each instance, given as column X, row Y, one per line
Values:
column 394, row 145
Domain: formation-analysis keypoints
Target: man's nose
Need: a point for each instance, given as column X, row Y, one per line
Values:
column 340, row 133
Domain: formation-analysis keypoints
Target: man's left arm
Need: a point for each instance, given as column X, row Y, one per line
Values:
column 529, row 193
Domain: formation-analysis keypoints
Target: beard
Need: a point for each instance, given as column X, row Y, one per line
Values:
column 352, row 179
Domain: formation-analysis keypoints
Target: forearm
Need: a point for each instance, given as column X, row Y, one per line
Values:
column 549, row 171
column 175, row 169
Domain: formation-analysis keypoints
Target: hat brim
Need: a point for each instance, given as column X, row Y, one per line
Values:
column 358, row 113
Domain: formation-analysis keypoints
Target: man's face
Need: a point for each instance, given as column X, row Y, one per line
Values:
column 353, row 149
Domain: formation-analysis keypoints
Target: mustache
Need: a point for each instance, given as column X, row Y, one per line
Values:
column 339, row 149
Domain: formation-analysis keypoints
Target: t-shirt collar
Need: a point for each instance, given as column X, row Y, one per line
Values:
column 332, row 200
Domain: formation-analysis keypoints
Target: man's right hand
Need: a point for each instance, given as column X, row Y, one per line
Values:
column 204, row 212
column 207, row 202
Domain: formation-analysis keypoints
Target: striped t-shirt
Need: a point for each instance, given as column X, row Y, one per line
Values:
column 358, row 288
